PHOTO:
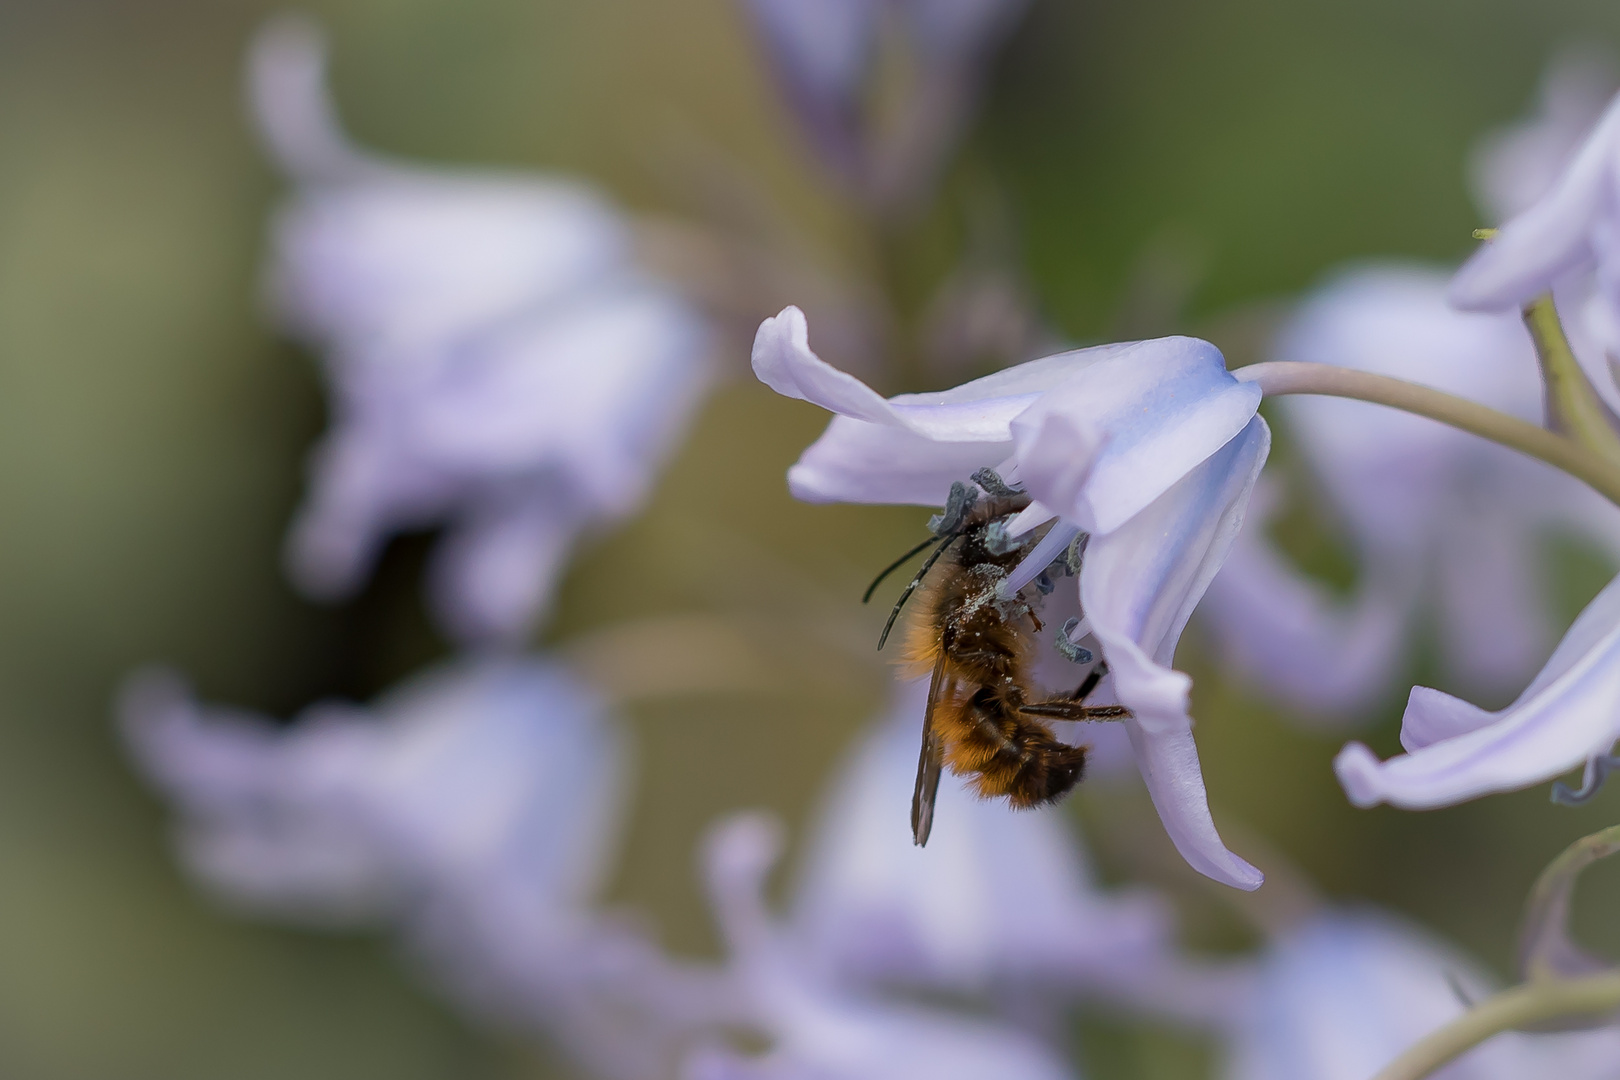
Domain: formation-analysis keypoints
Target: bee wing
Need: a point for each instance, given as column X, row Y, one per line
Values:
column 930, row 760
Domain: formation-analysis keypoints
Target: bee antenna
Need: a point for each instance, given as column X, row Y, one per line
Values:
column 949, row 539
column 897, row 564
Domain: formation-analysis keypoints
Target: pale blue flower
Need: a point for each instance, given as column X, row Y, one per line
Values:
column 1152, row 447
column 874, row 907
column 1339, row 996
column 1567, row 716
column 498, row 365
column 1565, row 237
column 817, row 1028
column 473, row 811
column 1440, row 521
column 498, row 774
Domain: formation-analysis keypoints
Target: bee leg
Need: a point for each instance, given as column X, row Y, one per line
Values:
column 1073, row 710
column 1089, row 683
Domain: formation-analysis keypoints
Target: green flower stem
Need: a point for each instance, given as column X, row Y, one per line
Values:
column 1292, row 377
column 1523, row 1006
column 1573, row 406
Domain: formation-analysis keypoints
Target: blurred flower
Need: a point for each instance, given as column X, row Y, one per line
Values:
column 1341, row 995
column 474, row 810
column 480, row 774
column 1567, row 241
column 823, row 54
column 1517, row 164
column 816, row 1029
column 1569, row 715
column 1432, row 514
column 1151, row 447
column 872, row 908
column 497, row 363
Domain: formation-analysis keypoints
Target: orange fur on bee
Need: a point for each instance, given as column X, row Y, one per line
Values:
column 983, row 651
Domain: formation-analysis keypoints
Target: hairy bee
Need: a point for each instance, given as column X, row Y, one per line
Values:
column 984, row 720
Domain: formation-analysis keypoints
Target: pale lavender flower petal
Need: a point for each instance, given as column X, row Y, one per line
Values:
column 1553, row 236
column 472, row 811
column 1434, row 516
column 495, row 771
column 1518, row 164
column 1341, row 995
column 499, row 564
column 1138, row 586
column 1101, row 445
column 818, row 1030
column 1568, row 714
column 1111, row 426
column 488, row 341
column 871, row 906
column 1133, row 440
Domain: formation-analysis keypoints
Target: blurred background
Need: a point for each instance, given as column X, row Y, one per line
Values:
column 1157, row 166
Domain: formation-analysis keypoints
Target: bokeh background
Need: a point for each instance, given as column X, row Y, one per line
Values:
column 1165, row 164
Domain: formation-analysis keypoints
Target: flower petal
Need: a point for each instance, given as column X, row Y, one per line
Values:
column 820, row 1029
column 874, row 906
column 1343, row 993
column 909, row 448
column 854, row 461
column 1549, row 239
column 1569, row 713
column 493, row 575
column 784, row 361
column 1138, row 586
column 485, row 777
column 1119, row 432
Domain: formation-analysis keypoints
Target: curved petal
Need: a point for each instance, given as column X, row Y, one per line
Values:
column 1515, row 165
column 1551, row 237
column 494, row 777
column 1115, row 435
column 1569, row 713
column 784, row 361
column 977, row 411
column 873, row 905
column 854, row 461
column 493, row 575
column 820, row 1030
column 293, row 108
column 1138, row 586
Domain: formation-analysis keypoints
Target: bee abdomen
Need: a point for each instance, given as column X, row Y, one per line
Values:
column 1041, row 771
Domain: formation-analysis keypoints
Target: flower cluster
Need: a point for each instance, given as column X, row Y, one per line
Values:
column 502, row 367
column 1560, row 245
column 498, row 363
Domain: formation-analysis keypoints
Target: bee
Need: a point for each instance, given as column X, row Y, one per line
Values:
column 984, row 719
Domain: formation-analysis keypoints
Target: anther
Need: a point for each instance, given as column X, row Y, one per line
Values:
column 993, row 484
column 957, row 505
column 1597, row 771
column 1071, row 649
column 1076, row 553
